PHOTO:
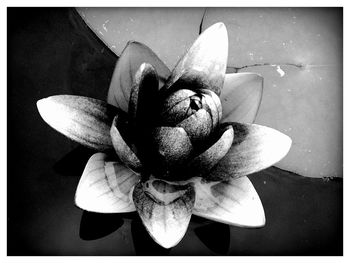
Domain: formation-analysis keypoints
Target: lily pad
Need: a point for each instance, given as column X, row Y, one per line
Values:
column 298, row 51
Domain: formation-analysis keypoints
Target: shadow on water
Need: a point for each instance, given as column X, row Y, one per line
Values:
column 73, row 163
column 95, row 225
column 216, row 236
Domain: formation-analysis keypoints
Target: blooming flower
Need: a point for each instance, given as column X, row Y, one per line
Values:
column 183, row 140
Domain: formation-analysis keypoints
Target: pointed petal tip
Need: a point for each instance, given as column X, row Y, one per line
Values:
column 39, row 106
column 44, row 107
column 286, row 144
column 47, row 107
column 40, row 103
column 217, row 26
column 165, row 242
column 263, row 220
column 280, row 145
column 220, row 28
column 220, row 25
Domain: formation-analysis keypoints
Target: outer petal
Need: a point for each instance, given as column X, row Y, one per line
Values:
column 129, row 62
column 241, row 97
column 124, row 152
column 143, row 98
column 84, row 120
column 254, row 148
column 203, row 163
column 204, row 64
column 165, row 209
column 233, row 202
column 106, row 186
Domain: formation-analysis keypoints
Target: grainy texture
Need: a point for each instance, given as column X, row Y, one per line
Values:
column 210, row 157
column 48, row 55
column 165, row 210
column 82, row 119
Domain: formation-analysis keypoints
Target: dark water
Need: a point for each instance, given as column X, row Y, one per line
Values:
column 51, row 52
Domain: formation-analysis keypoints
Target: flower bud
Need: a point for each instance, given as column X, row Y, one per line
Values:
column 198, row 112
column 172, row 147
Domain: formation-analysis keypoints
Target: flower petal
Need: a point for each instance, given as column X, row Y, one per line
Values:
column 213, row 103
column 198, row 126
column 129, row 62
column 124, row 152
column 233, row 202
column 143, row 97
column 172, row 144
column 165, row 209
column 241, row 97
column 106, row 186
column 204, row 64
column 84, row 120
column 203, row 163
column 254, row 148
column 176, row 107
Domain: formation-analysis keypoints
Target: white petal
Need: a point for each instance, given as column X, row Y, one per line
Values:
column 165, row 209
column 241, row 97
column 204, row 64
column 106, row 186
column 254, row 148
column 233, row 202
column 82, row 119
column 128, row 63
column 203, row 163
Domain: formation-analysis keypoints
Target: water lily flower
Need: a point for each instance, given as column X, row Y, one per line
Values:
column 172, row 144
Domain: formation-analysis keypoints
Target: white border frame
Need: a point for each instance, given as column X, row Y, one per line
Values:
column 131, row 3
